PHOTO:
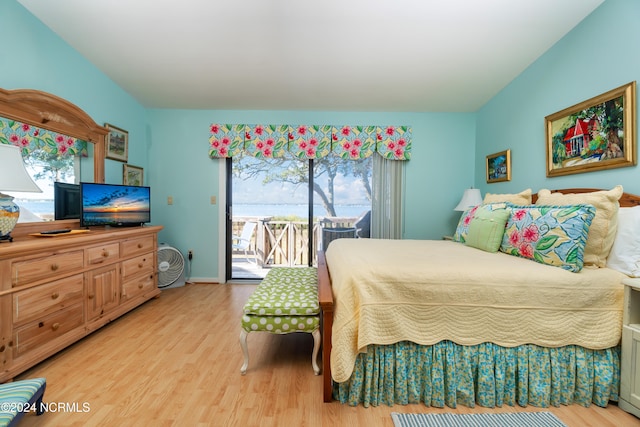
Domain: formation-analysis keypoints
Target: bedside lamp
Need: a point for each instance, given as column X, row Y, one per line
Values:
column 13, row 177
column 470, row 198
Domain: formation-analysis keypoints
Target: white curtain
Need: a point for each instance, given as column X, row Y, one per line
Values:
column 387, row 203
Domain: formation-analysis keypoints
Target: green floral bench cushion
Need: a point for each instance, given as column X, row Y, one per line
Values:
column 286, row 291
column 280, row 324
column 15, row 396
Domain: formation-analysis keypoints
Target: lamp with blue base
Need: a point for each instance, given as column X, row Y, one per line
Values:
column 13, row 177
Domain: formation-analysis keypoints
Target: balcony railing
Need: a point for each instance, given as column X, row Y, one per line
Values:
column 277, row 243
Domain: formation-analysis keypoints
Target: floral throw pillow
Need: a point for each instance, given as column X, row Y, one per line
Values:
column 552, row 235
column 462, row 230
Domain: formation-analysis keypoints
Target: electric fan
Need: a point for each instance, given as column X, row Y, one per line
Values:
column 170, row 267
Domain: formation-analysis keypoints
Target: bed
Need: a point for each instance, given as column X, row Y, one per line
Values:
column 447, row 323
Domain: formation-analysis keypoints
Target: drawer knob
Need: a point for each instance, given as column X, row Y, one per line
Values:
column 55, row 326
column 140, row 265
column 140, row 245
column 1, row 348
column 140, row 285
column 90, row 296
column 55, row 295
column 105, row 253
column 54, row 267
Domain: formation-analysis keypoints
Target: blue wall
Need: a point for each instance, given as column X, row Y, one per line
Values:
column 440, row 169
column 600, row 54
column 34, row 57
column 449, row 149
column 172, row 145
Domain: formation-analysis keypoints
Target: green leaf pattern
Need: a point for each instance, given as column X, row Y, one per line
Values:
column 31, row 138
column 394, row 142
column 552, row 235
column 226, row 140
column 309, row 141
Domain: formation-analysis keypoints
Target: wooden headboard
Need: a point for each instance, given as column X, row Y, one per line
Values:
column 627, row 200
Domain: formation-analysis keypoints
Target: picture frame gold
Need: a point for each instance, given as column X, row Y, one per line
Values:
column 596, row 134
column 117, row 143
column 132, row 175
column 498, row 166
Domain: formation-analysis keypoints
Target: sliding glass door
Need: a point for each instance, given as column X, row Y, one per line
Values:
column 269, row 215
column 282, row 211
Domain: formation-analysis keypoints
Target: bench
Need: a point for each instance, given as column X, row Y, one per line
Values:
column 19, row 397
column 286, row 301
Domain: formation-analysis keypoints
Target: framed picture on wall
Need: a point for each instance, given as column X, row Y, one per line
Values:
column 499, row 166
column 132, row 175
column 596, row 134
column 117, row 146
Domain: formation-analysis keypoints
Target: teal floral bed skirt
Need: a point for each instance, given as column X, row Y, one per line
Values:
column 485, row 374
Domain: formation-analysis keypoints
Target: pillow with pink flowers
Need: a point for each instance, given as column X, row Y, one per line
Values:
column 462, row 230
column 552, row 235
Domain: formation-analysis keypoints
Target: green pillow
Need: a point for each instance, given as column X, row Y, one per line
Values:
column 487, row 228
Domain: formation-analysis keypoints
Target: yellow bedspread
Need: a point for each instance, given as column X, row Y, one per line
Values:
column 426, row 291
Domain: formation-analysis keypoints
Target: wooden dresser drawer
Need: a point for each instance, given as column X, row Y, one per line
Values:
column 135, row 287
column 35, row 303
column 48, row 266
column 39, row 332
column 103, row 254
column 137, row 246
column 137, row 265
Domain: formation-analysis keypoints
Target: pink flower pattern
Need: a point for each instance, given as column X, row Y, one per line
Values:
column 225, row 140
column 310, row 141
column 552, row 235
column 392, row 142
column 353, row 142
column 30, row 138
column 267, row 141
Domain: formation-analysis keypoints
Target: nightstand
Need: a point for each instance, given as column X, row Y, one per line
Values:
column 630, row 363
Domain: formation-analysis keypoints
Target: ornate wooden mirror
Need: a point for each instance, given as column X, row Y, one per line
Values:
column 50, row 112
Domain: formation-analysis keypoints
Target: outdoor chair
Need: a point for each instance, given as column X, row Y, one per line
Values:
column 243, row 242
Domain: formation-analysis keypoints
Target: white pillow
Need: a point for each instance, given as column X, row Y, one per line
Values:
column 625, row 252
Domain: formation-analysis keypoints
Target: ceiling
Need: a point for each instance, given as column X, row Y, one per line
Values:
column 332, row 55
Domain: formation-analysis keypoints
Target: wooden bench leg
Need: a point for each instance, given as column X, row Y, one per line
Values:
column 245, row 351
column 316, row 347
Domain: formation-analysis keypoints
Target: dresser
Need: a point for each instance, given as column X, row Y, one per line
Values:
column 57, row 289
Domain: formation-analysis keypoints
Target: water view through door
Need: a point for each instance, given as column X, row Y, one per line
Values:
column 275, row 220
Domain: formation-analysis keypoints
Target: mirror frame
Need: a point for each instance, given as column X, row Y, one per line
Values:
column 53, row 113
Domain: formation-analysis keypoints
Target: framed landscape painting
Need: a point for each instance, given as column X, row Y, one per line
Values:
column 499, row 166
column 132, row 175
column 596, row 134
column 117, row 146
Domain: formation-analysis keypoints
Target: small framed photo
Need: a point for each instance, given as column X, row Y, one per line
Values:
column 132, row 175
column 117, row 147
column 499, row 166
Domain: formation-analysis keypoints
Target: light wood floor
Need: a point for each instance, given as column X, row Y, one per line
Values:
column 175, row 361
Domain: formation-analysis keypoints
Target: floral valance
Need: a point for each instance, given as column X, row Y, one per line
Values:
column 31, row 138
column 309, row 141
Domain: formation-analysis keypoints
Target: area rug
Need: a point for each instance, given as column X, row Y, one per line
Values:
column 515, row 419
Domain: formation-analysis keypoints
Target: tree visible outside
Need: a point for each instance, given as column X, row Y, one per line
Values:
column 48, row 167
column 295, row 172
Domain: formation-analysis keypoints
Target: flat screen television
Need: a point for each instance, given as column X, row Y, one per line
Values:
column 114, row 205
column 66, row 201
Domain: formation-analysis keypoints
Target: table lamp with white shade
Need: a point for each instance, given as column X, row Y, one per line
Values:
column 470, row 198
column 13, row 177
